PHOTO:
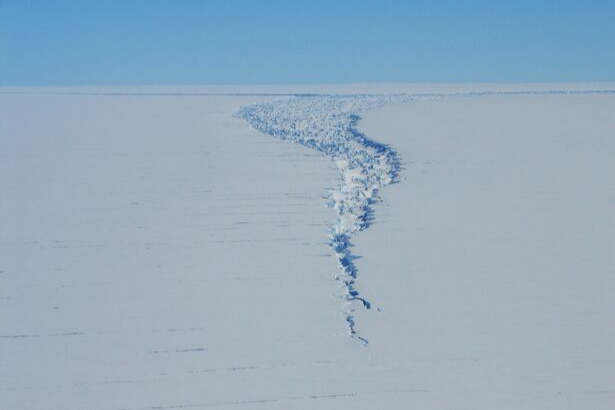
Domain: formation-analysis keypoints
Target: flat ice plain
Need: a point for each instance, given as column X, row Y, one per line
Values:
column 158, row 253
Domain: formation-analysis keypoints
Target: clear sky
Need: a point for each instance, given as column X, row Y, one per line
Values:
column 122, row 42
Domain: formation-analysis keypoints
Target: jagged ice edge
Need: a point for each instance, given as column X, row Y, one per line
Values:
column 328, row 125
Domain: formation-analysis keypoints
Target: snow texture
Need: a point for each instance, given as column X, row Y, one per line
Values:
column 156, row 253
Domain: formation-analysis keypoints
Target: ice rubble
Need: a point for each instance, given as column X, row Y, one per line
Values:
column 328, row 125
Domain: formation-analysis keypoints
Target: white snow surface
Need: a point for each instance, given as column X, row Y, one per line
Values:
column 157, row 253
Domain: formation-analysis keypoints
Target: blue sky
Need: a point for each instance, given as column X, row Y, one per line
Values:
column 312, row 41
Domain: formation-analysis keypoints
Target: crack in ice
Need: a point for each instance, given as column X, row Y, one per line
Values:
column 328, row 125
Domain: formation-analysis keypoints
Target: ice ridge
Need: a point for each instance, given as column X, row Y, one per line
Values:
column 328, row 125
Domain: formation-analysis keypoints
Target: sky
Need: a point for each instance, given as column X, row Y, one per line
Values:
column 183, row 42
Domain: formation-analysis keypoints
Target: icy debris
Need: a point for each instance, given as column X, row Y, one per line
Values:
column 327, row 124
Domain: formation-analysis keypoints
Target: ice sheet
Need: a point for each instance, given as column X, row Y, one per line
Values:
column 158, row 253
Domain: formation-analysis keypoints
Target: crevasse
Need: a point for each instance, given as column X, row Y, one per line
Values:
column 328, row 125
